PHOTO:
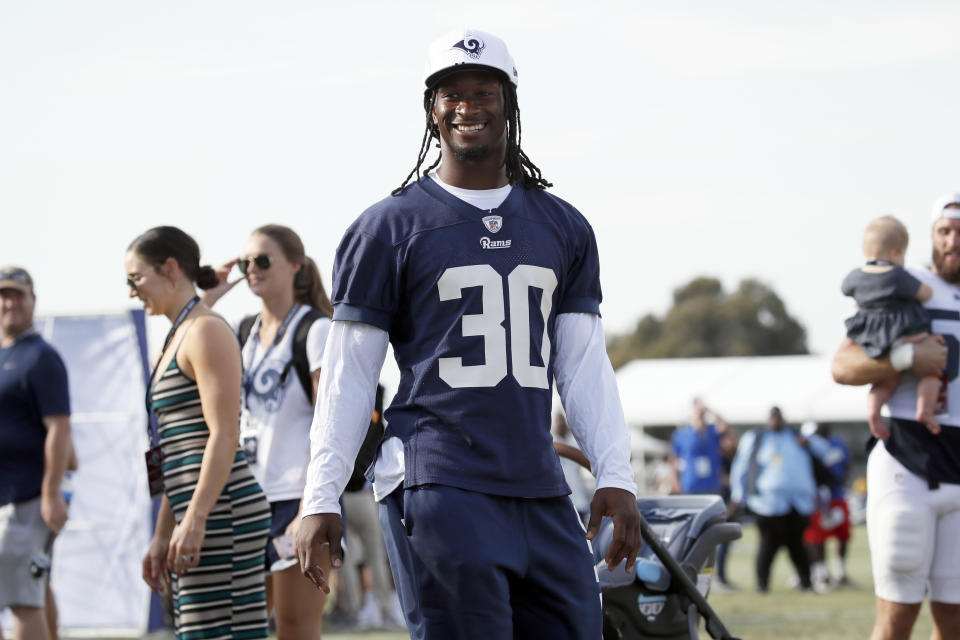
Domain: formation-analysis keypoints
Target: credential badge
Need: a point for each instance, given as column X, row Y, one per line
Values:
column 493, row 223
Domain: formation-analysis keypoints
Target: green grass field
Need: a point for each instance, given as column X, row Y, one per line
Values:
column 784, row 613
column 842, row 614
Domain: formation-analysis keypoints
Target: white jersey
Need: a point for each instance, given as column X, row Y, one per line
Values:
column 275, row 425
column 944, row 310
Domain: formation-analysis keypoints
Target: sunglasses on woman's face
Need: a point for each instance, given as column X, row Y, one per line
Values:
column 262, row 261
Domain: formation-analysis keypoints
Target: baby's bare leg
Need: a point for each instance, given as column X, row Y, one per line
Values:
column 927, row 391
column 880, row 392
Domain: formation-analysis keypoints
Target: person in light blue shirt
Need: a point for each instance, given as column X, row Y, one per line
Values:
column 772, row 474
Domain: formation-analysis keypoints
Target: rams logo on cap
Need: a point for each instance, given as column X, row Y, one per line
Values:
column 473, row 47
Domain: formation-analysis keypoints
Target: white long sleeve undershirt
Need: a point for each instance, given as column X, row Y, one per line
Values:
column 346, row 392
column 350, row 369
column 588, row 390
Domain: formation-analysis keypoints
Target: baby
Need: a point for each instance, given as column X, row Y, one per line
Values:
column 889, row 300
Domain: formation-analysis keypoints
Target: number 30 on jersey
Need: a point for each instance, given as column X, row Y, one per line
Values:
column 489, row 325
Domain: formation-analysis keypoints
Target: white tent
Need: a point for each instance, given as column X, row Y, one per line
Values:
column 742, row 390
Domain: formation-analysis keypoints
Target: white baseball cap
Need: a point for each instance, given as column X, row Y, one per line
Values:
column 940, row 206
column 467, row 49
column 808, row 428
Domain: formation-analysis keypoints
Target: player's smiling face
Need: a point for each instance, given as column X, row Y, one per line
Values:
column 469, row 113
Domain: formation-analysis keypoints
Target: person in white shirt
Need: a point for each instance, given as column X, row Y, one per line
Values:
column 278, row 407
column 913, row 506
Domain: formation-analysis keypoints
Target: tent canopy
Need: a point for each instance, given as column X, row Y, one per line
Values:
column 742, row 390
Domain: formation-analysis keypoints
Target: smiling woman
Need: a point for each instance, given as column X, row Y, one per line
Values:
column 281, row 348
column 214, row 518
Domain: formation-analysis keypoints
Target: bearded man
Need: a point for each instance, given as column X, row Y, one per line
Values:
column 913, row 510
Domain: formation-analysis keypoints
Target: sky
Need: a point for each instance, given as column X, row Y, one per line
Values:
column 733, row 140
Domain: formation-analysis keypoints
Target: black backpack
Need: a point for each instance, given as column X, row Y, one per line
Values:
column 368, row 450
column 301, row 365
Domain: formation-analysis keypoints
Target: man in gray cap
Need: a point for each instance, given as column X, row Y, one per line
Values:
column 34, row 451
column 913, row 507
column 488, row 287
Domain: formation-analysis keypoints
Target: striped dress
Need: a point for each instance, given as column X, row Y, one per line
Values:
column 224, row 596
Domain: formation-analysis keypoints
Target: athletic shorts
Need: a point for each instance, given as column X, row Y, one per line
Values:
column 282, row 513
column 22, row 536
column 838, row 519
column 473, row 566
column 913, row 533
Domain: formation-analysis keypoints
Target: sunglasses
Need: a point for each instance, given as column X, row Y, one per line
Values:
column 16, row 276
column 262, row 261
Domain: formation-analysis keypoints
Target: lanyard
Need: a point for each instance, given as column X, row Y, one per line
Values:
column 151, row 424
column 251, row 374
column 880, row 263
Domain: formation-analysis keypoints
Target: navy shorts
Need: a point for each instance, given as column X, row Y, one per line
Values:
column 282, row 513
column 473, row 565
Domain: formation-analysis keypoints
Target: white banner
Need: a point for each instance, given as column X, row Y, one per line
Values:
column 97, row 557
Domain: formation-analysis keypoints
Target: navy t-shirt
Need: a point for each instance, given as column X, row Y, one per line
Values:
column 698, row 459
column 33, row 386
column 470, row 300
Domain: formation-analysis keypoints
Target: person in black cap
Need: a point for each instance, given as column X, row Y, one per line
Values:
column 488, row 287
column 34, row 452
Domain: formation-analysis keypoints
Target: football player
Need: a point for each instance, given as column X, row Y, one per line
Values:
column 488, row 288
column 913, row 507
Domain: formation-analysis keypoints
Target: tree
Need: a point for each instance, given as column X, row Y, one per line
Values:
column 707, row 322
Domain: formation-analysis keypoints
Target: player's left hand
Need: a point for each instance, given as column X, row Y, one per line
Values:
column 620, row 505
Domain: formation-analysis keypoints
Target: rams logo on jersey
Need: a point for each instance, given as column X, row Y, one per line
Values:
column 487, row 243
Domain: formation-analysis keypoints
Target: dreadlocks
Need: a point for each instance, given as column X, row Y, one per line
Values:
column 520, row 169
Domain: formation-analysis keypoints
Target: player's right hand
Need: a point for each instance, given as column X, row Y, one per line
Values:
column 316, row 531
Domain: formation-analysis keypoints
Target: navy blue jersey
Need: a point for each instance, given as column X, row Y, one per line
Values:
column 470, row 300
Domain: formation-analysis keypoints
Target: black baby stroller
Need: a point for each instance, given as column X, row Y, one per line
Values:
column 666, row 594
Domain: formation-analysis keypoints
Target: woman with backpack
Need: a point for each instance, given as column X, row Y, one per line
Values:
column 281, row 350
